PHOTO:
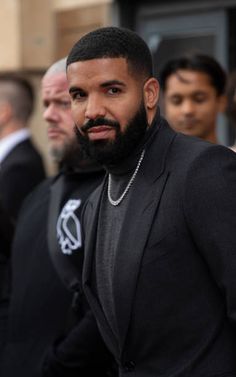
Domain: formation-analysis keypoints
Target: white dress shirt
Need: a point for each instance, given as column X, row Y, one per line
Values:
column 9, row 142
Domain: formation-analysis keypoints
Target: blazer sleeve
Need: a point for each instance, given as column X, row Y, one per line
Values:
column 81, row 353
column 209, row 202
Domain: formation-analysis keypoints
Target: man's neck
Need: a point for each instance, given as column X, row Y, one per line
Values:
column 212, row 137
column 10, row 128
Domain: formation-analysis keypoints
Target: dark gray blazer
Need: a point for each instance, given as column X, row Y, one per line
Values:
column 175, row 272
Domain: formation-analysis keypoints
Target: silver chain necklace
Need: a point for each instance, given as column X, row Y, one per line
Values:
column 119, row 200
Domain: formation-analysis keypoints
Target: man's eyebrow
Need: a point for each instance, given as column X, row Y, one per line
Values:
column 112, row 82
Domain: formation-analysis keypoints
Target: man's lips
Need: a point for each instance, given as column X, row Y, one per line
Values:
column 100, row 132
column 54, row 133
column 100, row 129
column 189, row 123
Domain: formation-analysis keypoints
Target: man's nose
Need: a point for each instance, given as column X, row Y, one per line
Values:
column 188, row 107
column 95, row 107
column 51, row 113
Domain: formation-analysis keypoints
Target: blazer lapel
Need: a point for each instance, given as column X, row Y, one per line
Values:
column 90, row 223
column 146, row 194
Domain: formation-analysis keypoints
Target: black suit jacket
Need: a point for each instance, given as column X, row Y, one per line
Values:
column 20, row 172
column 174, row 278
column 43, row 324
column 6, row 235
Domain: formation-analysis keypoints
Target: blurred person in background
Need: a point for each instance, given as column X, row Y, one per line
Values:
column 231, row 102
column 21, row 166
column 45, row 304
column 193, row 88
column 6, row 234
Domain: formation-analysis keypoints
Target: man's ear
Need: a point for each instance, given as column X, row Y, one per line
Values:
column 222, row 103
column 5, row 112
column 151, row 92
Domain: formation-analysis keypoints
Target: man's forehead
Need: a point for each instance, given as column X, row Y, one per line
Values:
column 98, row 73
column 58, row 80
column 97, row 66
column 187, row 76
column 55, row 84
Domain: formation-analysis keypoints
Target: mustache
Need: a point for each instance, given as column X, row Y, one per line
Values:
column 100, row 122
column 53, row 126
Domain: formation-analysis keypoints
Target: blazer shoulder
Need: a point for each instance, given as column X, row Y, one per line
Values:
column 25, row 156
column 25, row 148
column 188, row 148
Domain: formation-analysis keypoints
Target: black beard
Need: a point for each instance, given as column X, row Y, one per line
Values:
column 70, row 155
column 112, row 152
column 74, row 156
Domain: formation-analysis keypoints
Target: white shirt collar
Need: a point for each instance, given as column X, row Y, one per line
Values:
column 10, row 141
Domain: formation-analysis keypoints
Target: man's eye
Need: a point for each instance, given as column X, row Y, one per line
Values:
column 176, row 100
column 65, row 104
column 78, row 95
column 200, row 98
column 114, row 90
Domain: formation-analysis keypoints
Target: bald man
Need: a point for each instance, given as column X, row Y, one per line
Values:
column 42, row 316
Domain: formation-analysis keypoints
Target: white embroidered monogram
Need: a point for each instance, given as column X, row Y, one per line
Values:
column 69, row 237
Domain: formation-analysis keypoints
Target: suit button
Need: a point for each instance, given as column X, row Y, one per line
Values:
column 129, row 366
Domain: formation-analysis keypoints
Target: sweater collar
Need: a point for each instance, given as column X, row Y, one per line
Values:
column 128, row 165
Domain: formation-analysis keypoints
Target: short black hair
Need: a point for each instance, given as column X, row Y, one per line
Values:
column 199, row 63
column 114, row 42
column 19, row 93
